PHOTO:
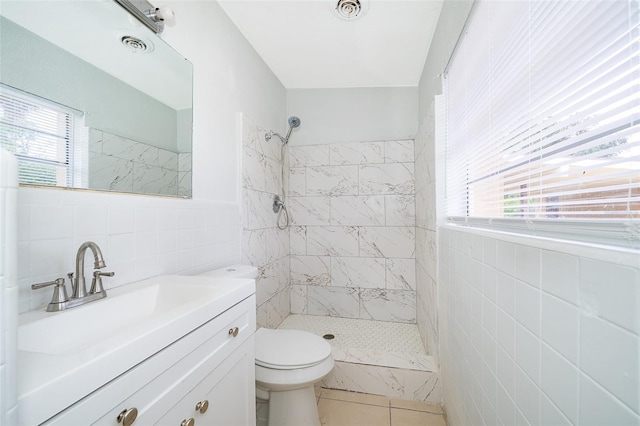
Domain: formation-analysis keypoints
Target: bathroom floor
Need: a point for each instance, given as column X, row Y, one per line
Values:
column 340, row 408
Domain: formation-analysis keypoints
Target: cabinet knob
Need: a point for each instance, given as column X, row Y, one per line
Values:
column 202, row 406
column 188, row 422
column 234, row 331
column 128, row 416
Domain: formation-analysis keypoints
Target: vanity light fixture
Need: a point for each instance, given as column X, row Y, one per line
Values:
column 155, row 18
column 161, row 16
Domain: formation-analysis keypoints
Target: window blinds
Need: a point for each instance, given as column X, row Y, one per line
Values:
column 543, row 112
column 40, row 134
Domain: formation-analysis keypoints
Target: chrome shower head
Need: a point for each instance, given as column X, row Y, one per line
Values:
column 294, row 122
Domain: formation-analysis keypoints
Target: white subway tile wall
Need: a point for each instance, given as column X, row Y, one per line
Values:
column 263, row 244
column 353, row 236
column 140, row 236
column 558, row 335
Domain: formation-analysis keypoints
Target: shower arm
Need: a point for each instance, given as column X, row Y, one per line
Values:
column 293, row 123
column 284, row 140
column 268, row 136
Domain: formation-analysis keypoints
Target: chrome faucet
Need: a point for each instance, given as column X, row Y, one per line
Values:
column 79, row 284
column 79, row 296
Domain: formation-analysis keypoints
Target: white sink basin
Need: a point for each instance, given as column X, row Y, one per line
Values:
column 66, row 355
column 79, row 328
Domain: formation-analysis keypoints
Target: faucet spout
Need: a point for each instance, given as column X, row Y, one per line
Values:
column 79, row 283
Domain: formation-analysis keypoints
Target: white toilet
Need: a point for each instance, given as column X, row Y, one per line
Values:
column 288, row 363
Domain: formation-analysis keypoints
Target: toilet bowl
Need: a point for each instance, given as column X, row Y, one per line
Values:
column 288, row 363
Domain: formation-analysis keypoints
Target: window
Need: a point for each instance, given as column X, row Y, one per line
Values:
column 48, row 139
column 543, row 113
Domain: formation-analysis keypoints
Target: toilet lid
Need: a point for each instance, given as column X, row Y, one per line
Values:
column 288, row 349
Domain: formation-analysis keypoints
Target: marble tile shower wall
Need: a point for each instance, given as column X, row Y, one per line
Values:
column 534, row 332
column 263, row 244
column 426, row 253
column 121, row 164
column 353, row 236
column 140, row 236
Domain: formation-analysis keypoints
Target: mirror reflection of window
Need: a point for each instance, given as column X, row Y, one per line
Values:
column 137, row 105
column 49, row 140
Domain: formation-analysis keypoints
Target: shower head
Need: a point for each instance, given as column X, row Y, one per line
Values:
column 294, row 122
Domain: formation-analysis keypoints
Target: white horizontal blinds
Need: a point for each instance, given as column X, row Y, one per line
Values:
column 39, row 134
column 543, row 111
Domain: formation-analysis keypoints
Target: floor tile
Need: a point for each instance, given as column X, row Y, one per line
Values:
column 415, row 405
column 415, row 418
column 340, row 413
column 361, row 398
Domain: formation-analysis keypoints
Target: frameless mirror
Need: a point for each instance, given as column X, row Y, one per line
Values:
column 91, row 98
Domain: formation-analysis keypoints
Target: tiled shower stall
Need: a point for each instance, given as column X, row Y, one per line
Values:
column 347, row 255
column 353, row 230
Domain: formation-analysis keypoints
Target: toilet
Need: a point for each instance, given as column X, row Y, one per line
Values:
column 288, row 364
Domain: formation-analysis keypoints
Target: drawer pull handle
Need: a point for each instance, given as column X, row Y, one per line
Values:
column 127, row 416
column 202, row 406
column 234, row 331
column 188, row 422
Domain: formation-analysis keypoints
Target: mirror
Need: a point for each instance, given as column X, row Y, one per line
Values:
column 91, row 98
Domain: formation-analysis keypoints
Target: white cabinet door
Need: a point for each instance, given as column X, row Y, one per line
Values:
column 159, row 384
column 229, row 390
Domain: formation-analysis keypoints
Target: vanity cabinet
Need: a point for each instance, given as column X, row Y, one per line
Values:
column 225, row 392
column 213, row 363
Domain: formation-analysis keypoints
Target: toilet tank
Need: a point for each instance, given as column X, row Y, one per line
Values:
column 234, row 271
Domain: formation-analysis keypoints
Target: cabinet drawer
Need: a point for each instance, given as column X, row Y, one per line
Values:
column 227, row 388
column 159, row 382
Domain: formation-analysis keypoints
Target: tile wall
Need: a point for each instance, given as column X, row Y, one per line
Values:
column 8, row 288
column 353, row 234
column 426, row 252
column 121, row 164
column 140, row 236
column 263, row 244
column 538, row 332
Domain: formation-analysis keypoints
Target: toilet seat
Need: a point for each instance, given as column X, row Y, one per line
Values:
column 289, row 349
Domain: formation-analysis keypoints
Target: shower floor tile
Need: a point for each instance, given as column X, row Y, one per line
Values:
column 358, row 341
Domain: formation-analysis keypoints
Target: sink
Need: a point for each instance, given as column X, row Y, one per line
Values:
column 66, row 355
column 93, row 324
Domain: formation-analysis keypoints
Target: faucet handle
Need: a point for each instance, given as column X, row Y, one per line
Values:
column 96, row 282
column 57, row 281
column 59, row 292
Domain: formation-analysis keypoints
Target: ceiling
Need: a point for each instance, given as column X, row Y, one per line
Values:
column 307, row 45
